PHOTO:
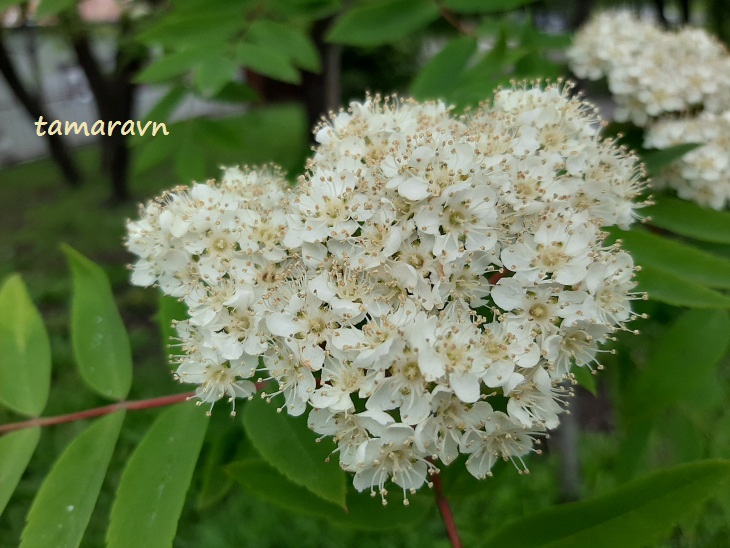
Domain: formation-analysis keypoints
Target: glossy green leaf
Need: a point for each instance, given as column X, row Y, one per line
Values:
column 288, row 445
column 667, row 288
column 656, row 160
column 363, row 511
column 267, row 63
column 99, row 338
column 485, row 6
column 178, row 63
column 25, row 352
column 688, row 352
column 287, row 40
column 16, row 449
column 377, row 23
column 152, row 489
column 49, row 8
column 442, row 72
column 634, row 515
column 61, row 510
column 681, row 260
column 689, row 219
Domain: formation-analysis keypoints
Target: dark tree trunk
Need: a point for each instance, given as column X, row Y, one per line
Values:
column 659, row 4
column 719, row 11
column 321, row 92
column 684, row 6
column 581, row 12
column 114, row 96
column 57, row 148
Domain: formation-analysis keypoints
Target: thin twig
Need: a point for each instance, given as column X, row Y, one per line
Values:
column 443, row 505
column 455, row 22
column 97, row 412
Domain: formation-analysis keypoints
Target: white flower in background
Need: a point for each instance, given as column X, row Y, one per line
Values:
column 427, row 269
column 703, row 174
column 650, row 71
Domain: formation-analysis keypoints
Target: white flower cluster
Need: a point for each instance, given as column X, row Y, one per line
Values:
column 424, row 289
column 703, row 174
column 650, row 71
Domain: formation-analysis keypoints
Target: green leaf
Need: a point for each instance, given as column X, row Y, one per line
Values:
column 177, row 63
column 219, row 449
column 169, row 310
column 5, row 4
column 195, row 28
column 235, row 92
column 656, row 160
column 634, row 515
column 442, row 72
column 482, row 6
column 218, row 134
column 681, row 260
column 152, row 490
column 311, row 10
column 632, row 447
column 49, row 8
column 165, row 107
column 585, row 378
column 267, row 63
column 378, row 23
column 291, row 42
column 667, row 288
column 689, row 219
column 61, row 510
column 16, row 448
column 290, row 446
column 190, row 158
column 99, row 339
column 492, row 70
column 25, row 352
column 687, row 353
column 212, row 75
column 363, row 511
column 149, row 152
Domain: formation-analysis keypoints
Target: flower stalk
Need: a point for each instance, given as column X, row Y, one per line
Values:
column 97, row 412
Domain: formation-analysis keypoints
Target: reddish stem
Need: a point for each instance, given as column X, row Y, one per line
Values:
column 497, row 276
column 443, row 505
column 452, row 20
column 97, row 412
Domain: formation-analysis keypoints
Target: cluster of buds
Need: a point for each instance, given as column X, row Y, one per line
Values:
column 422, row 292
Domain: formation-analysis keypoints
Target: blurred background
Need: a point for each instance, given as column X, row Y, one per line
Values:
column 243, row 82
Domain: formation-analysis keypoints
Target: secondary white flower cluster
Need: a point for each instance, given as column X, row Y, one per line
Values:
column 703, row 174
column 650, row 71
column 424, row 289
